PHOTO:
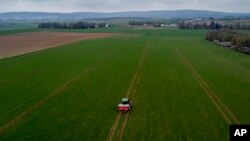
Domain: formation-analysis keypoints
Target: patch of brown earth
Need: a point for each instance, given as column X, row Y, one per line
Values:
column 22, row 43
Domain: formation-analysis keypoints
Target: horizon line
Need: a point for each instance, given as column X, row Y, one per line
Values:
column 122, row 11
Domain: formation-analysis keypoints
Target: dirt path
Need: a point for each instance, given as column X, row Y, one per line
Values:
column 22, row 43
column 56, row 92
column 130, row 93
column 222, row 108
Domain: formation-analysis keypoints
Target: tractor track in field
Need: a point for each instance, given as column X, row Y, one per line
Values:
column 134, row 91
column 221, row 107
column 131, row 92
column 24, row 115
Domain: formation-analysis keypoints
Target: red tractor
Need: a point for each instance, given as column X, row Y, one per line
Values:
column 125, row 105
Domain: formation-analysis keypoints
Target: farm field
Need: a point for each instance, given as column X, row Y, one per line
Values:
column 23, row 43
column 182, row 87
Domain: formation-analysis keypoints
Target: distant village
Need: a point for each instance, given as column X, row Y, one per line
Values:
column 211, row 23
column 198, row 23
column 152, row 23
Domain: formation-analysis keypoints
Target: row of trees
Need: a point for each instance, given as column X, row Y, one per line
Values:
column 71, row 25
column 212, row 25
column 238, row 41
column 137, row 23
column 196, row 25
column 152, row 23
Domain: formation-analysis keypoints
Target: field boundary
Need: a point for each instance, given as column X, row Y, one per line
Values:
column 228, row 116
column 131, row 91
column 24, row 115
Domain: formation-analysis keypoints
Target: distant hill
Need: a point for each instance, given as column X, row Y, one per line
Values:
column 142, row 14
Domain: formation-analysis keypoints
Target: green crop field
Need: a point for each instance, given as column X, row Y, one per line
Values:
column 182, row 87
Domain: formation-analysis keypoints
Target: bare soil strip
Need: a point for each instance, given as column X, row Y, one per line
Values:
column 222, row 108
column 56, row 92
column 22, row 43
column 131, row 92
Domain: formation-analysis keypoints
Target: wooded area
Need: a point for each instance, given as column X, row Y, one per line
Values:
column 212, row 25
column 72, row 25
column 232, row 39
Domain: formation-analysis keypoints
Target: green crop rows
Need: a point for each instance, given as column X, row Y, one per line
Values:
column 184, row 88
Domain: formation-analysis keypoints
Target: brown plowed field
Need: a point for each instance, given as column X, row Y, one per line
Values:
column 22, row 43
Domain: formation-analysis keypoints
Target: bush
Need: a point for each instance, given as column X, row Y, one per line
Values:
column 243, row 41
column 212, row 35
column 226, row 35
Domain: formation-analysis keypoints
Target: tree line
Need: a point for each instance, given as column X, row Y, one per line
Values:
column 212, row 25
column 71, row 25
column 142, row 23
column 238, row 41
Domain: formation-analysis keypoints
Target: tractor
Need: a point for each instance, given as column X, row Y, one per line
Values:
column 125, row 105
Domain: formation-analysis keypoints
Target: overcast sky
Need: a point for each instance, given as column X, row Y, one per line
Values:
column 239, row 6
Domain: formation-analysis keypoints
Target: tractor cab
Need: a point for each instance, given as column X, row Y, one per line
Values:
column 124, row 106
